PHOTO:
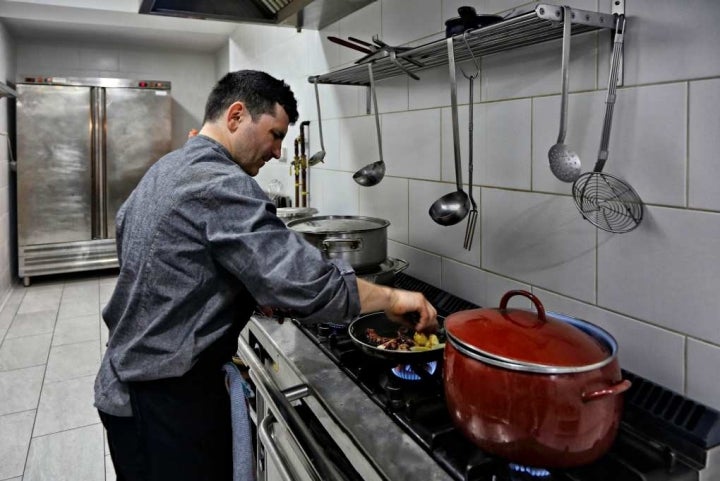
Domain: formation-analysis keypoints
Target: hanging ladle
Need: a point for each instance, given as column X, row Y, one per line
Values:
column 373, row 173
column 564, row 163
column 318, row 157
column 453, row 207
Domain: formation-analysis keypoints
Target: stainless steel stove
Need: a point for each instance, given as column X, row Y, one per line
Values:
column 375, row 421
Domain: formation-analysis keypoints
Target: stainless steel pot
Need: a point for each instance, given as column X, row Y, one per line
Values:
column 359, row 241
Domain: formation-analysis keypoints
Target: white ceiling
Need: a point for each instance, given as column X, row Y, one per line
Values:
column 69, row 21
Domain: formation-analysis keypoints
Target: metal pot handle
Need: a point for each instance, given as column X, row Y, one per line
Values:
column 538, row 305
column 354, row 244
column 613, row 390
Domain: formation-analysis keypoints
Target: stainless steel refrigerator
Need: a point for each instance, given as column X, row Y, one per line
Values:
column 82, row 146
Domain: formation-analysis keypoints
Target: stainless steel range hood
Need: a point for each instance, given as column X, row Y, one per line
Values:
column 312, row 14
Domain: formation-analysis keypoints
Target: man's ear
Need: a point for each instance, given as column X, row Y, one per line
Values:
column 235, row 115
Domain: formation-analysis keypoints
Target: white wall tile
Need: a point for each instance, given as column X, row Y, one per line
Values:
column 644, row 349
column 704, row 144
column 535, row 70
column 358, row 142
column 425, row 234
column 667, row 40
column 423, row 265
column 99, row 59
column 665, row 271
column 702, row 373
column 392, row 95
column 539, row 239
column 476, row 285
column 361, row 24
column 338, row 194
column 648, row 142
column 433, row 89
column 501, row 144
column 411, row 144
column 407, row 20
column 387, row 200
column 40, row 59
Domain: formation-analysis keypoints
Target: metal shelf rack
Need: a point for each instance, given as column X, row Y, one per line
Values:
column 531, row 25
column 7, row 91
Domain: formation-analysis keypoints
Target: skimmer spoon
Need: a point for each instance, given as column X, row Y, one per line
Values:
column 564, row 163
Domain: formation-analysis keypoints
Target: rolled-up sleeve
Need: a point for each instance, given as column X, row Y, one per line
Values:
column 275, row 264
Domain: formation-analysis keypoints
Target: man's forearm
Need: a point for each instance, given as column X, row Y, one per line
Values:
column 374, row 297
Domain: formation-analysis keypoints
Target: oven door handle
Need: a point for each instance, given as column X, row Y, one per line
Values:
column 279, row 404
column 285, row 471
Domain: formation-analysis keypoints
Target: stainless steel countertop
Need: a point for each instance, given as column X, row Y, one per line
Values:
column 393, row 452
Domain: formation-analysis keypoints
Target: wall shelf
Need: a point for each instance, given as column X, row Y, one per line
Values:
column 522, row 27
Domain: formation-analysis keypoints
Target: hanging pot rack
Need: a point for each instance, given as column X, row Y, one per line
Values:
column 522, row 27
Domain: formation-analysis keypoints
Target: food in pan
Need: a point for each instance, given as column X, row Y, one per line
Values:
column 403, row 341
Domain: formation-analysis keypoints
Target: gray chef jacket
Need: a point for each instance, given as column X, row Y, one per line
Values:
column 199, row 247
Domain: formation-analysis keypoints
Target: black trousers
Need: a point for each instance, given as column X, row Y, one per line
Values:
column 180, row 430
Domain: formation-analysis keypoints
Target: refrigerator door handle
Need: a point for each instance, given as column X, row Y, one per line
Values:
column 99, row 217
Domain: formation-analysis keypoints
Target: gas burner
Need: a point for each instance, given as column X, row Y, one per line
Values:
column 518, row 472
column 407, row 372
column 327, row 329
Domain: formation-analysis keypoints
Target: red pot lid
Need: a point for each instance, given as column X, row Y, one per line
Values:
column 524, row 337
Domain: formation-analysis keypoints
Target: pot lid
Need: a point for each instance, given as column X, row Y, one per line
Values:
column 295, row 212
column 526, row 340
column 337, row 224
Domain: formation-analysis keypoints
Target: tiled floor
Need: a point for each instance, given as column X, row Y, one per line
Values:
column 51, row 341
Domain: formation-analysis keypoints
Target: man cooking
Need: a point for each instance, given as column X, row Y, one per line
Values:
column 200, row 247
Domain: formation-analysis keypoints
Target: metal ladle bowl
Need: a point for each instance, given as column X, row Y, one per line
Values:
column 372, row 173
column 450, row 208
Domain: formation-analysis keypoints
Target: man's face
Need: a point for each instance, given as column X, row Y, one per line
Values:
column 256, row 142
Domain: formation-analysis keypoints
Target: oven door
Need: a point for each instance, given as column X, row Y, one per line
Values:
column 297, row 438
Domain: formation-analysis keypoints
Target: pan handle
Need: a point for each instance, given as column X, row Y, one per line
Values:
column 613, row 390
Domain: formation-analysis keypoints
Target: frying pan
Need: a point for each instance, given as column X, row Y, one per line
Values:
column 387, row 328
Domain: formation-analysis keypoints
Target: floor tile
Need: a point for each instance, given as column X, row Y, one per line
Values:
column 79, row 306
column 41, row 299
column 81, row 289
column 72, row 360
column 66, row 405
column 30, row 323
column 74, row 455
column 76, row 329
column 15, row 430
column 24, row 352
column 20, row 389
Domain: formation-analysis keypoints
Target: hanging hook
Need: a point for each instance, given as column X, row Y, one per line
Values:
column 477, row 66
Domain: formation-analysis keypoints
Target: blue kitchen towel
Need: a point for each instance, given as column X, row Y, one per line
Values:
column 243, row 456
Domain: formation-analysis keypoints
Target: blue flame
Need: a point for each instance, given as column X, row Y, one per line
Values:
column 534, row 472
column 407, row 372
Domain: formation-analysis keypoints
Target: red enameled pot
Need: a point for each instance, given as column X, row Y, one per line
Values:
column 539, row 389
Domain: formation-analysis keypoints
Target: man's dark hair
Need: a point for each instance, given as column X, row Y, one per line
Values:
column 257, row 90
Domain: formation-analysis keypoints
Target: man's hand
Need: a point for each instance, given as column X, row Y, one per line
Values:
column 399, row 305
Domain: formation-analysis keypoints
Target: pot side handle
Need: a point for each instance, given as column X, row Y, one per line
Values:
column 331, row 243
column 614, row 390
